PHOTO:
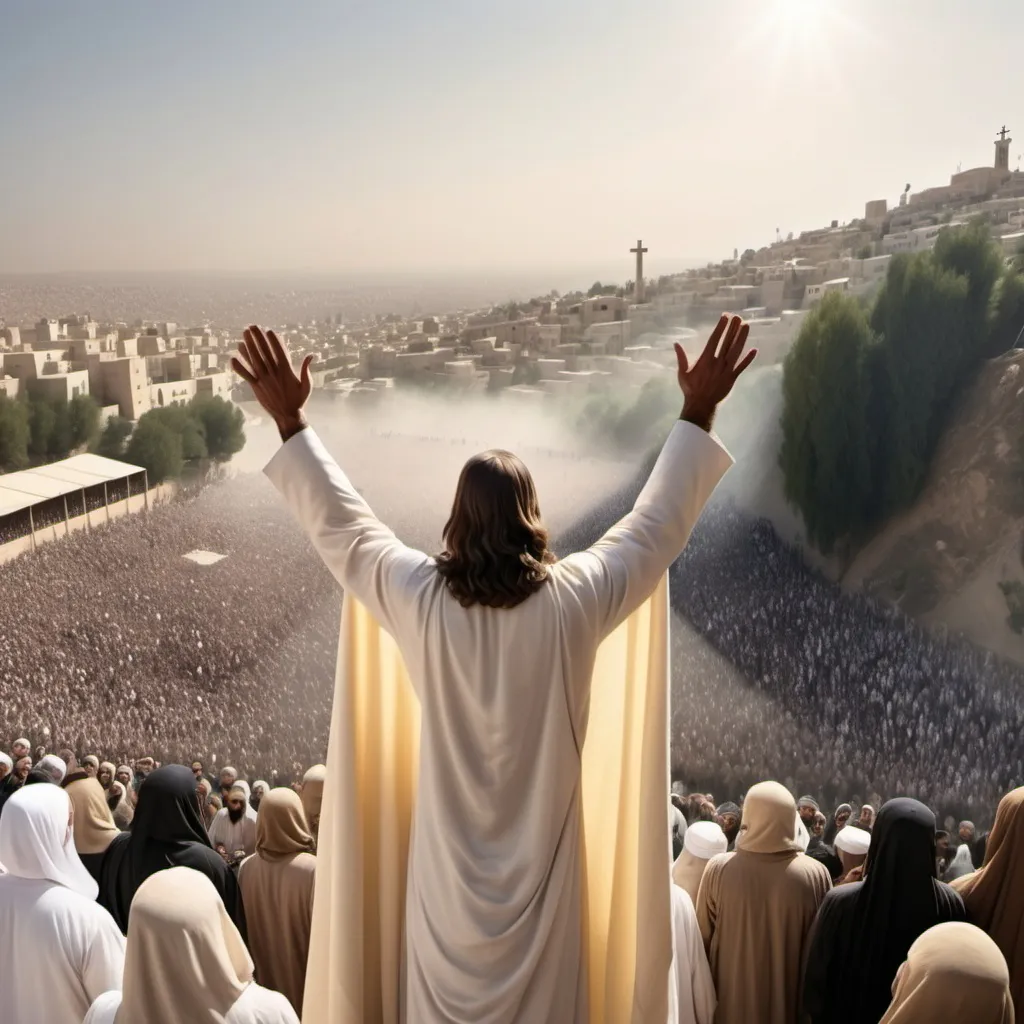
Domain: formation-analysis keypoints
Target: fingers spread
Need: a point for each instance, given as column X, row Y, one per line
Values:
column 735, row 323
column 264, row 347
column 681, row 359
column 242, row 370
column 280, row 356
column 735, row 347
column 253, row 354
column 716, row 334
column 747, row 360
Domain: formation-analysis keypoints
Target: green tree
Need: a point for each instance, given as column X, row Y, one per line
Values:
column 1006, row 318
column 62, row 435
column 15, row 434
column 181, row 420
column 599, row 289
column 157, row 447
column 824, row 458
column 41, row 421
column 865, row 252
column 112, row 440
column 223, row 426
column 85, row 420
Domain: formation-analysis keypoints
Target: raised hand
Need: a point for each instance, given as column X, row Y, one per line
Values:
column 711, row 378
column 264, row 363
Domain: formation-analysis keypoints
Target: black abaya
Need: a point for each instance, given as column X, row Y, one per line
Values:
column 167, row 831
column 864, row 930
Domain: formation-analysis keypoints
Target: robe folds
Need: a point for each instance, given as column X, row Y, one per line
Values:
column 493, row 844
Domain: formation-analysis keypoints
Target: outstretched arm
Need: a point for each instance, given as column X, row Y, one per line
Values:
column 363, row 554
column 616, row 575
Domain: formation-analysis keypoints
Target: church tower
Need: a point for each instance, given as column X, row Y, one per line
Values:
column 1003, row 150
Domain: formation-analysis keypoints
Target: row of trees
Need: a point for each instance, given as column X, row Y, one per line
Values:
column 38, row 430
column 34, row 431
column 165, row 440
column 869, row 388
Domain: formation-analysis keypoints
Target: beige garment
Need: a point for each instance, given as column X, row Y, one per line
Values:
column 185, row 959
column 277, row 893
column 312, row 796
column 953, row 972
column 994, row 894
column 94, row 827
column 533, row 870
column 755, row 909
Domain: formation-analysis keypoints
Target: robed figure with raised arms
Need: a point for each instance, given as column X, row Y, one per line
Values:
column 492, row 846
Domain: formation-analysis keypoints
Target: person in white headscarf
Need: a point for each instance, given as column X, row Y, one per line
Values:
column 233, row 830
column 703, row 840
column 186, row 961
column 61, row 949
column 852, row 845
column 54, row 767
column 259, row 790
column 960, row 865
column 6, row 766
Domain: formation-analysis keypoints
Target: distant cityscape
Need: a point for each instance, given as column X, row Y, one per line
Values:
column 529, row 350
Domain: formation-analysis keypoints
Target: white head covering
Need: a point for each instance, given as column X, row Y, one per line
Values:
column 705, row 839
column 803, row 837
column 21, row 742
column 243, row 787
column 259, row 786
column 54, row 767
column 36, row 840
column 5, row 760
column 854, row 841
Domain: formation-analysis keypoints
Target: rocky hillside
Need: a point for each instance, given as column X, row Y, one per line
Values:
column 955, row 558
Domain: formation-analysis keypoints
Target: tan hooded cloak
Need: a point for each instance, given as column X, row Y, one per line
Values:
column 953, row 972
column 994, row 894
column 755, row 909
column 277, row 893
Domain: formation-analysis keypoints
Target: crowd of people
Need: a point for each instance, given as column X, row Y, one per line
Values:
column 199, row 906
column 122, row 643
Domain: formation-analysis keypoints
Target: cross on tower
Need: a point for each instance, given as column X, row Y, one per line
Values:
column 638, row 284
column 1003, row 132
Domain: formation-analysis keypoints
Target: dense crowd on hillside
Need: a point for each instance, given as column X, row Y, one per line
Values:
column 122, row 644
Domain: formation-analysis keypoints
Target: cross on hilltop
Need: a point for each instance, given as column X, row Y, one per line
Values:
column 638, row 284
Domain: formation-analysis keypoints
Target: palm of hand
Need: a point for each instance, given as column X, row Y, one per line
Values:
column 712, row 377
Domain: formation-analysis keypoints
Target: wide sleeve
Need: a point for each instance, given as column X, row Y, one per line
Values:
column 707, row 901
column 821, row 948
column 611, row 579
column 364, row 556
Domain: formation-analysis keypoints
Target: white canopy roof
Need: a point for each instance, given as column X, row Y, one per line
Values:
column 29, row 487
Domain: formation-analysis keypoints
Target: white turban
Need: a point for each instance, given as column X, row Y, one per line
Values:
column 5, row 760
column 704, row 840
column 22, row 743
column 54, row 767
column 854, row 841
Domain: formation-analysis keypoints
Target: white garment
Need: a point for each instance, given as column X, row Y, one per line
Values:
column 493, row 909
column 59, row 949
column 691, row 997
column 234, row 835
column 255, row 1005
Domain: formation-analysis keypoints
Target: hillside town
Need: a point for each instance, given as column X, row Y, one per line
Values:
column 529, row 350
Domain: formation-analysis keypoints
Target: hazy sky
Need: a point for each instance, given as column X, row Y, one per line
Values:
column 406, row 135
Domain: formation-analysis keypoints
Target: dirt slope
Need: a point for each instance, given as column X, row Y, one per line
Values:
column 944, row 560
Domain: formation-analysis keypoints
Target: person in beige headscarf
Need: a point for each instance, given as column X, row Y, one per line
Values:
column 954, row 971
column 755, row 909
column 120, row 805
column 312, row 795
column 994, row 894
column 105, row 776
column 277, row 891
column 186, row 961
column 703, row 840
column 93, row 824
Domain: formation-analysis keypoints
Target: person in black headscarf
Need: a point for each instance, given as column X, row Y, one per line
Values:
column 864, row 930
column 166, row 831
column 728, row 817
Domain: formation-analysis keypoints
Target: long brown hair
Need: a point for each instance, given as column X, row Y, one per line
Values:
column 496, row 548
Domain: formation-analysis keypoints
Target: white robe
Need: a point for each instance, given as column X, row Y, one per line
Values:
column 493, row 905
column 234, row 835
column 255, row 1005
column 692, row 998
